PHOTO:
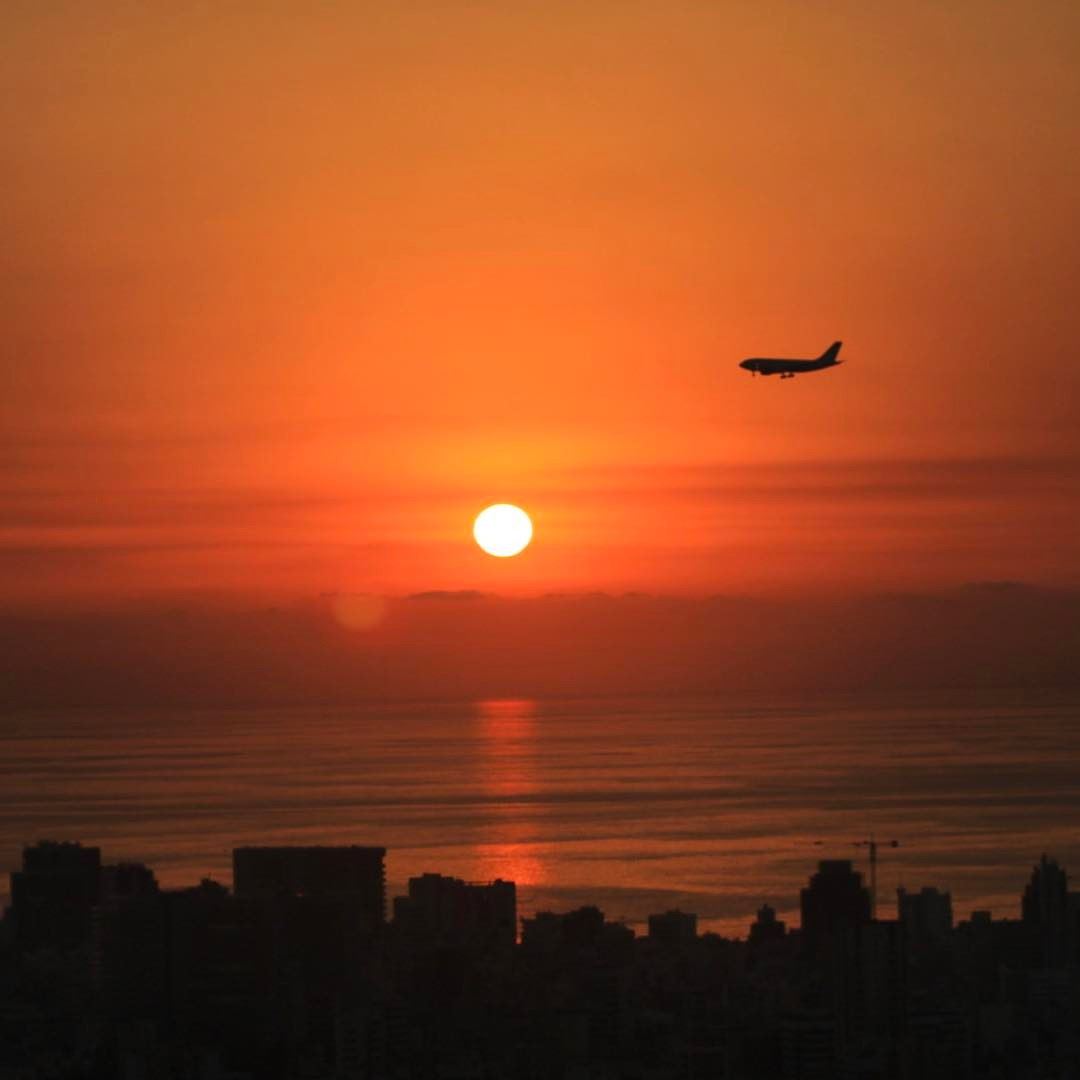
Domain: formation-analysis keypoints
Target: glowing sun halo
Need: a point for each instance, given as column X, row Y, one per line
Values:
column 503, row 530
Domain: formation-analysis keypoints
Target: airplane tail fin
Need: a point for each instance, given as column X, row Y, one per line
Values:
column 829, row 355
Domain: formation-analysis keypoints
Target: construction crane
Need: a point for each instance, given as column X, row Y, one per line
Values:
column 873, row 845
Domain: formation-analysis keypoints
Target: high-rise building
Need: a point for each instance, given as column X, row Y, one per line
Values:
column 197, row 960
column 1045, row 908
column 53, row 895
column 356, row 875
column 449, row 911
column 927, row 917
column 217, row 957
column 130, row 943
column 322, row 908
column 834, row 899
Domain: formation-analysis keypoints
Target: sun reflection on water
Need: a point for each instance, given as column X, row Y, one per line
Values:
column 508, row 848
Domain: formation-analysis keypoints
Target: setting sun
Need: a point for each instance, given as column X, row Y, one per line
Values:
column 503, row 530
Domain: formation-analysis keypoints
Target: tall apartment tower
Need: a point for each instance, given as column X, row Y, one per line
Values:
column 1045, row 908
column 320, row 909
column 53, row 895
column 927, row 917
column 835, row 898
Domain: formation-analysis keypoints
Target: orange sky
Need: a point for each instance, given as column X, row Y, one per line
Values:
column 291, row 293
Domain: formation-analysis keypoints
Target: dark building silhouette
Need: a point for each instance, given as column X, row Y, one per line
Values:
column 1072, row 909
column 1045, row 910
column 321, row 910
column 54, row 894
column 194, row 963
column 219, row 968
column 673, row 927
column 834, row 899
column 288, row 981
column 582, row 928
column 130, row 944
column 986, row 948
column 449, row 911
column 353, row 874
column 927, row 917
column 767, row 927
column 124, row 881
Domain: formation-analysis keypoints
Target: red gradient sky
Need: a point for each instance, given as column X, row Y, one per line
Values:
column 290, row 294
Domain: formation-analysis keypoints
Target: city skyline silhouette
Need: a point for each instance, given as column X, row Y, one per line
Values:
column 298, row 969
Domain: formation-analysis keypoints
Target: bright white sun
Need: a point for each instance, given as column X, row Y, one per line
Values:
column 503, row 530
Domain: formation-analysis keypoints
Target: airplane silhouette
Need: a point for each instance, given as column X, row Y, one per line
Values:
column 788, row 369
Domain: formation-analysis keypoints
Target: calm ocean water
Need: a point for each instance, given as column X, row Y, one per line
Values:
column 640, row 805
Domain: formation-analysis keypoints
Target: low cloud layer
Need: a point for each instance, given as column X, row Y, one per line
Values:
column 470, row 645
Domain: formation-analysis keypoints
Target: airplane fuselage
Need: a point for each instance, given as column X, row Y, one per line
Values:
column 786, row 369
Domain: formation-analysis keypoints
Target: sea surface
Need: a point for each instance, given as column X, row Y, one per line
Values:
column 712, row 806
